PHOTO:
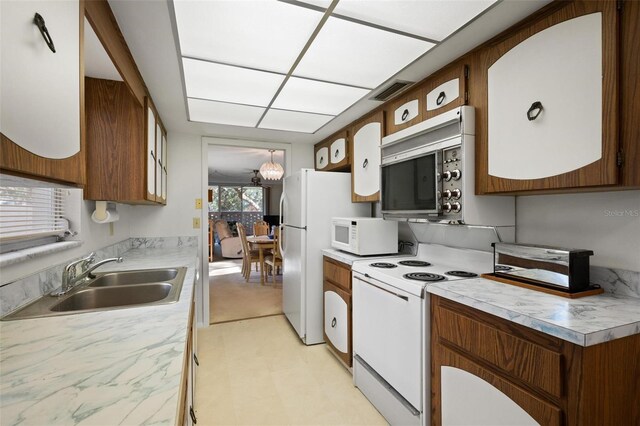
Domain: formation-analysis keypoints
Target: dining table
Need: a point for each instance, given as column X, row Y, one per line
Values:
column 261, row 243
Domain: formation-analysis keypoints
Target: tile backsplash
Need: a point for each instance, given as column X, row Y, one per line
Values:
column 25, row 290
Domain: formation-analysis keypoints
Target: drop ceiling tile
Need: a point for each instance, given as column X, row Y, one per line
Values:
column 263, row 34
column 301, row 94
column 224, row 113
column 350, row 53
column 433, row 19
column 294, row 121
column 226, row 83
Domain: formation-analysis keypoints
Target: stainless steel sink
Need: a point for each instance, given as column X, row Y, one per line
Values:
column 134, row 277
column 111, row 290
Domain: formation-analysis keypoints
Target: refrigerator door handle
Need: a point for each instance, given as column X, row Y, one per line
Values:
column 282, row 252
column 281, row 209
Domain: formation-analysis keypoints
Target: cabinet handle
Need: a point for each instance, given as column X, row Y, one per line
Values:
column 333, row 322
column 153, row 156
column 337, row 152
column 193, row 416
column 405, row 114
column 537, row 107
column 195, row 358
column 321, row 160
column 364, row 164
column 160, row 163
column 39, row 21
column 441, row 97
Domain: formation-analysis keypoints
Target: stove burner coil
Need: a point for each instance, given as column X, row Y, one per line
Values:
column 384, row 265
column 414, row 263
column 461, row 274
column 502, row 268
column 424, row 276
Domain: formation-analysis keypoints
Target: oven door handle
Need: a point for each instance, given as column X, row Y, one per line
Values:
column 401, row 296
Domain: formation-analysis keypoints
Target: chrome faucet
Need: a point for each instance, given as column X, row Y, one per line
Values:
column 70, row 277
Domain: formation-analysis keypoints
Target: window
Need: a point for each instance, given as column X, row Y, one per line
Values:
column 34, row 213
column 243, row 204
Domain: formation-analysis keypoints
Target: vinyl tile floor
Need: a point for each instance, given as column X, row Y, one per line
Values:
column 258, row 372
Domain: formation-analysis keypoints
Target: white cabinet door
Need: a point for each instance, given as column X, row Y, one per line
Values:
column 322, row 158
column 40, row 101
column 545, row 102
column 151, row 152
column 336, row 324
column 366, row 159
column 469, row 400
column 338, row 150
column 406, row 112
column 159, row 161
column 164, row 166
column 443, row 94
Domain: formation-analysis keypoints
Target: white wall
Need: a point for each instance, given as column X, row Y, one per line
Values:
column 274, row 199
column 301, row 156
column 93, row 236
column 606, row 222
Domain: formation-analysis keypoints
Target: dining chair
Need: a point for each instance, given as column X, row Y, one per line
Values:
column 274, row 260
column 248, row 256
column 260, row 228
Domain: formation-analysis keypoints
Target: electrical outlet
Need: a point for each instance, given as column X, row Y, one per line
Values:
column 198, row 203
column 196, row 223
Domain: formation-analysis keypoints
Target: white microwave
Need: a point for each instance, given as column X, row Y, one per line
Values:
column 364, row 236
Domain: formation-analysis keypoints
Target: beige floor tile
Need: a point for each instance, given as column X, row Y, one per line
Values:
column 257, row 372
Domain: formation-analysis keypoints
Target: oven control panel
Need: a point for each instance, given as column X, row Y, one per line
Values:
column 452, row 169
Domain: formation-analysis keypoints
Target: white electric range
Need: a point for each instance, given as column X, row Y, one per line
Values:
column 391, row 329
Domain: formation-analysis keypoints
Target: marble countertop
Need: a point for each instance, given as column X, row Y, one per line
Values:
column 111, row 367
column 586, row 321
column 348, row 258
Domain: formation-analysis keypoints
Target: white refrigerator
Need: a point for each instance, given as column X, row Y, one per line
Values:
column 309, row 200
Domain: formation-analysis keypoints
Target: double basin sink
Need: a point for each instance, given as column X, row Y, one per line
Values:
column 110, row 290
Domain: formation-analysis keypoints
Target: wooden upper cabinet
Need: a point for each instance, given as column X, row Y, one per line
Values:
column 332, row 154
column 445, row 90
column 404, row 111
column 42, row 90
column 365, row 158
column 552, row 103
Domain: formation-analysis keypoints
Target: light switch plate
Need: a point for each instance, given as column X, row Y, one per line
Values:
column 198, row 203
column 196, row 223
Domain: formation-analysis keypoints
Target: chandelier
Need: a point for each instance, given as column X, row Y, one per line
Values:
column 271, row 170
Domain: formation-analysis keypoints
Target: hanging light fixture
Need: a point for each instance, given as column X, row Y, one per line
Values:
column 271, row 170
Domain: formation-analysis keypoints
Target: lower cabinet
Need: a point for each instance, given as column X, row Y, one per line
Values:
column 490, row 371
column 186, row 412
column 337, row 309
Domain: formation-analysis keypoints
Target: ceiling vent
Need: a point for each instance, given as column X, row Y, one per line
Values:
column 393, row 89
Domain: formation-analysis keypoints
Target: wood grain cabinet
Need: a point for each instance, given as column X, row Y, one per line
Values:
column 445, row 90
column 337, row 309
column 552, row 102
column 332, row 154
column 404, row 111
column 42, row 89
column 186, row 409
column 487, row 370
column 365, row 158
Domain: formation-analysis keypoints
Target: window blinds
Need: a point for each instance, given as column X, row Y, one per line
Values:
column 30, row 213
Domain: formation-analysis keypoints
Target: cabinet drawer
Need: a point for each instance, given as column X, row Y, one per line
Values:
column 338, row 273
column 338, row 150
column 512, row 355
column 404, row 112
column 445, row 90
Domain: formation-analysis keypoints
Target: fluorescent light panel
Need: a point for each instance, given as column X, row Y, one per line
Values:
column 301, row 94
column 350, row 53
column 226, row 83
column 293, row 121
column 265, row 34
column 224, row 113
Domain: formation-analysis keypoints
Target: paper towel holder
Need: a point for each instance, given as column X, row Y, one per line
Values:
column 104, row 214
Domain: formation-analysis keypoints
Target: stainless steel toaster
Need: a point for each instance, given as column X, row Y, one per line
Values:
column 554, row 267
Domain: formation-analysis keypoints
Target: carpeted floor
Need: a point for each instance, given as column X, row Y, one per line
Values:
column 231, row 298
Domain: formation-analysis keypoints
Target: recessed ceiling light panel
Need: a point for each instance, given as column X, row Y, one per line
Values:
column 293, row 121
column 433, row 19
column 224, row 113
column 350, row 53
column 301, row 94
column 264, row 34
column 225, row 83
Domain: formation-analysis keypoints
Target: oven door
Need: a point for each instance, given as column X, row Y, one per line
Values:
column 387, row 335
column 412, row 185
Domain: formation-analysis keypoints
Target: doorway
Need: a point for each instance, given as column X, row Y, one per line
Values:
column 238, row 196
